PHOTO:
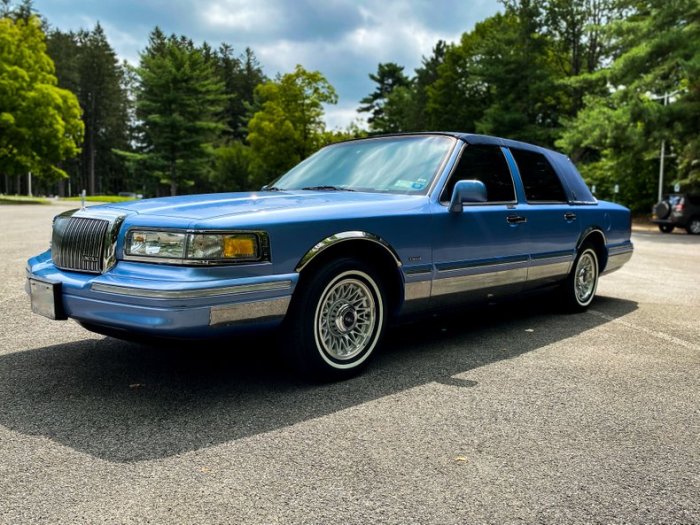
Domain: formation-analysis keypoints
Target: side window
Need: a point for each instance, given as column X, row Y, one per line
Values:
column 487, row 164
column 541, row 182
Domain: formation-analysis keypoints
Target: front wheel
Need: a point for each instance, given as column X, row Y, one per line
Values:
column 336, row 320
column 580, row 286
column 666, row 228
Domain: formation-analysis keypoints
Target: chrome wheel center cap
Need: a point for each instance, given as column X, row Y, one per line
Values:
column 346, row 319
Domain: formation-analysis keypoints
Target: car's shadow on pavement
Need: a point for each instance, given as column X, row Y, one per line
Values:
column 127, row 402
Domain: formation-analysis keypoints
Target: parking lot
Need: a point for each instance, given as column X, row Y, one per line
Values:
column 506, row 414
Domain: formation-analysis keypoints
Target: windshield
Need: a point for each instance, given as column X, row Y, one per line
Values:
column 392, row 165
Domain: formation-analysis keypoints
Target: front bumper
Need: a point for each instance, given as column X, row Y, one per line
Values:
column 174, row 302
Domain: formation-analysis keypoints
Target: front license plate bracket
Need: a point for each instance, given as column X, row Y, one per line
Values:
column 46, row 298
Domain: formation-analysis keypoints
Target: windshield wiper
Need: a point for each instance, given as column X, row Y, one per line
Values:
column 326, row 188
column 270, row 188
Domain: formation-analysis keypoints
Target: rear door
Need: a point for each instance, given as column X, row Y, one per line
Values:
column 553, row 225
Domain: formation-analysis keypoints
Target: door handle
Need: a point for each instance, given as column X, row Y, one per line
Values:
column 570, row 216
column 516, row 219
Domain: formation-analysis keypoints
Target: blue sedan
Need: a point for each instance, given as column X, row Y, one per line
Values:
column 355, row 236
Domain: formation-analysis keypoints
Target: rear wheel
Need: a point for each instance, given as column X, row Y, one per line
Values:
column 337, row 320
column 580, row 286
column 693, row 226
column 666, row 228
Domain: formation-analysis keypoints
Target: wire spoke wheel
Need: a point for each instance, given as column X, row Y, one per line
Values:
column 585, row 278
column 578, row 290
column 346, row 318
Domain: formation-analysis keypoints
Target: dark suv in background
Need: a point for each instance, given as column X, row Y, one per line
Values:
column 678, row 209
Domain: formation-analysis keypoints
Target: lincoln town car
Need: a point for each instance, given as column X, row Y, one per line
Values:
column 351, row 239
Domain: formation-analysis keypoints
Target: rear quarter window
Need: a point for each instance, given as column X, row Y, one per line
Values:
column 541, row 182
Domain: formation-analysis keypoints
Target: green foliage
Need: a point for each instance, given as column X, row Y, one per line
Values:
column 232, row 168
column 617, row 134
column 101, row 198
column 87, row 65
column 240, row 75
column 586, row 75
column 16, row 199
column 389, row 76
column 179, row 101
column 289, row 125
column 40, row 123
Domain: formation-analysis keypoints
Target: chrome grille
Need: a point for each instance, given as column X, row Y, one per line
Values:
column 78, row 243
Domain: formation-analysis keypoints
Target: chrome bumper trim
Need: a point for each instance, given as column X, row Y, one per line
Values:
column 417, row 290
column 239, row 289
column 255, row 312
column 616, row 261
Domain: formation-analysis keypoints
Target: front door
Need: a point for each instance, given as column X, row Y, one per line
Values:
column 482, row 251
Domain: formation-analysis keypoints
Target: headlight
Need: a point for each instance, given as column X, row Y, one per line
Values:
column 157, row 244
column 197, row 248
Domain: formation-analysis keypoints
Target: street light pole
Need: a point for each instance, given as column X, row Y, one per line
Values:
column 661, row 159
column 662, row 155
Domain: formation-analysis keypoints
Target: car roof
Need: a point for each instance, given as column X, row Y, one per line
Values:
column 469, row 138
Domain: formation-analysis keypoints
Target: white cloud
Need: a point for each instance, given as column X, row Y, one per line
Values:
column 241, row 15
column 344, row 39
column 341, row 117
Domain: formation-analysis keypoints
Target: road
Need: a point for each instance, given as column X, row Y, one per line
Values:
column 508, row 414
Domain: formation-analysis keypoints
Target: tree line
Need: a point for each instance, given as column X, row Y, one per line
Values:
column 188, row 118
column 605, row 81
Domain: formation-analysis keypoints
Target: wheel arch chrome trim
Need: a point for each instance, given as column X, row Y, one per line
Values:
column 341, row 237
column 586, row 234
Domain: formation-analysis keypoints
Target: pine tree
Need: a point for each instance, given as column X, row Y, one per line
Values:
column 180, row 100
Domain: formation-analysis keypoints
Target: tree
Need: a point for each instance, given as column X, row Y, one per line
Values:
column 406, row 107
column 87, row 65
column 616, row 135
column 289, row 124
column 240, row 76
column 232, row 168
column 577, row 30
column 517, row 61
column 104, row 104
column 179, row 103
column 388, row 77
column 458, row 96
column 40, row 123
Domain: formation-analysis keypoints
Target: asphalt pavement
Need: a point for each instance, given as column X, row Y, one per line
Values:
column 509, row 413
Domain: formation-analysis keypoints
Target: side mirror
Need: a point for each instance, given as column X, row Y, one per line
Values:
column 467, row 191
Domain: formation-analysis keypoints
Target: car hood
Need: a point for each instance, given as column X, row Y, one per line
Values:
column 212, row 206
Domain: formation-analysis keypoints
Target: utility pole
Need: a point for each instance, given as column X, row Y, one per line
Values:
column 29, row 184
column 662, row 155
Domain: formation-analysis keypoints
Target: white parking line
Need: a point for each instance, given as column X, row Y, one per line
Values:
column 655, row 333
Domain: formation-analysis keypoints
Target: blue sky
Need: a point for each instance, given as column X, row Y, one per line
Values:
column 344, row 39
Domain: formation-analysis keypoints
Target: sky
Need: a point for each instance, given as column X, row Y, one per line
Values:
column 343, row 39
